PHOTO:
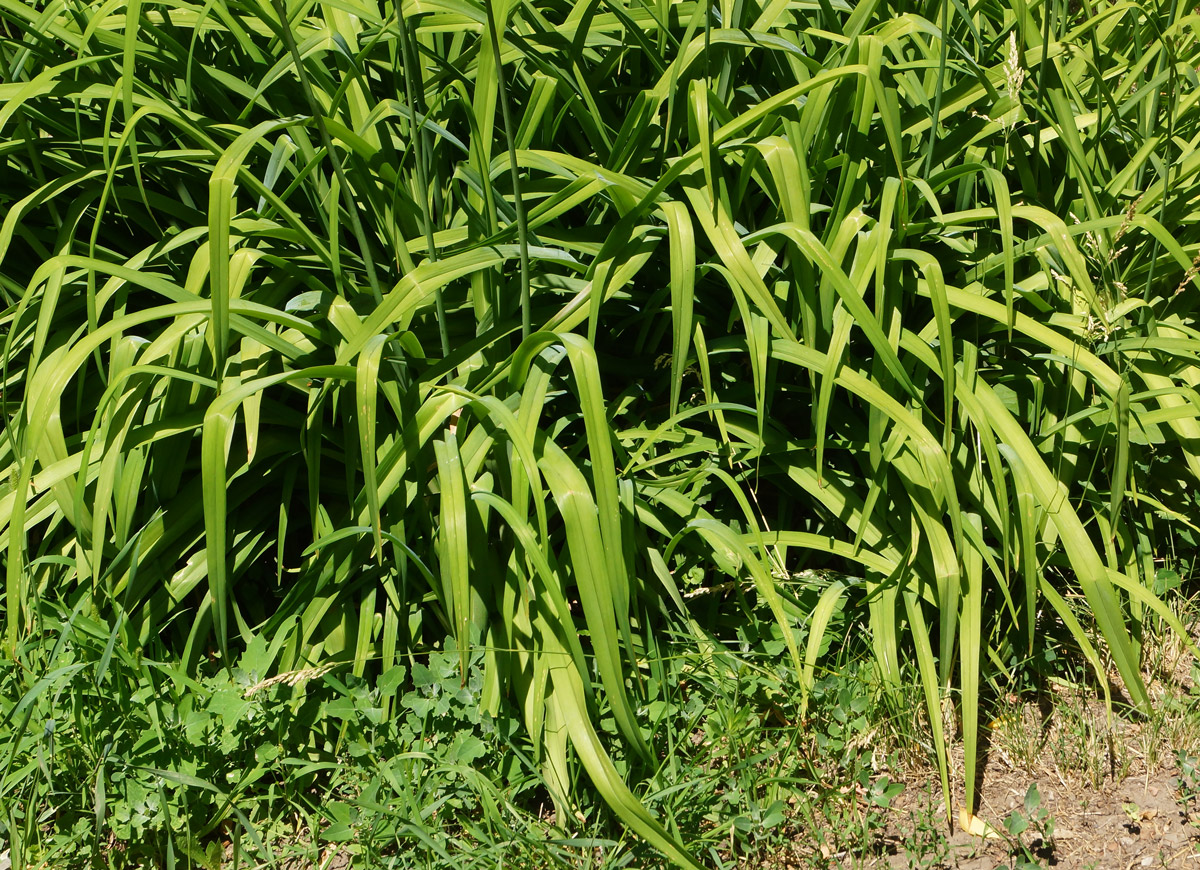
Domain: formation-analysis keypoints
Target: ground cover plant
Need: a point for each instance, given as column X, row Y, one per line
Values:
column 353, row 353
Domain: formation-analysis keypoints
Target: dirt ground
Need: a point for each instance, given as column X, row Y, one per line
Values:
column 1099, row 803
column 1138, row 823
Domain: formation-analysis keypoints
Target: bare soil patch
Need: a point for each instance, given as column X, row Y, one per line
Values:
column 1138, row 822
column 1110, row 790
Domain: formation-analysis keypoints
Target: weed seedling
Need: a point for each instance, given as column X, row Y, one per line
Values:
column 1036, row 818
column 1188, row 787
column 926, row 845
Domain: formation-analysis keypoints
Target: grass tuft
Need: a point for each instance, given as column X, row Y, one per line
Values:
column 465, row 354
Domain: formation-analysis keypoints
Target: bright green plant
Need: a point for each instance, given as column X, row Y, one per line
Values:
column 925, row 844
column 368, row 329
column 1188, row 783
column 1035, row 818
column 130, row 755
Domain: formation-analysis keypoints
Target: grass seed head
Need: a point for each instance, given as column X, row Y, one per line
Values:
column 291, row 679
column 1014, row 73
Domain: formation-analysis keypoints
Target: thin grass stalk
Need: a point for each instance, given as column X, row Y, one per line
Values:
column 347, row 191
column 1041, row 86
column 1166, row 55
column 943, row 48
column 514, row 169
column 411, row 74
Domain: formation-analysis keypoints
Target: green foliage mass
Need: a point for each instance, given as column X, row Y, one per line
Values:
column 338, row 335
